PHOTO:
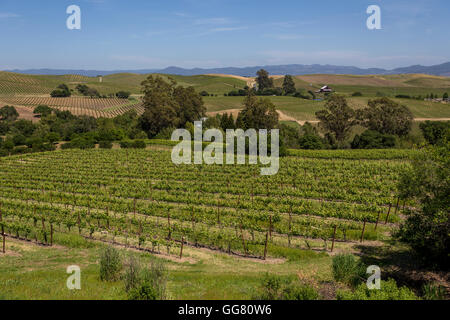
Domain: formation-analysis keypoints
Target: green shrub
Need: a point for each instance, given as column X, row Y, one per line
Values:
column 388, row 291
column 274, row 287
column 299, row 292
column 357, row 94
column 432, row 291
column 125, row 144
column 139, row 144
column 105, row 145
column 110, row 264
column 143, row 283
column 347, row 269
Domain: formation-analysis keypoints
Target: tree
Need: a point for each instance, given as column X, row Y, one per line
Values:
column 257, row 114
column 435, row 132
column 189, row 105
column 445, row 96
column 43, row 110
column 337, row 118
column 123, row 94
column 61, row 91
column 370, row 139
column 8, row 113
column 263, row 80
column 93, row 93
column 160, row 106
column 427, row 228
column 168, row 105
column 386, row 116
column 288, row 85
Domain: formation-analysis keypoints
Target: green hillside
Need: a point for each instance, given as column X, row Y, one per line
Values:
column 20, row 84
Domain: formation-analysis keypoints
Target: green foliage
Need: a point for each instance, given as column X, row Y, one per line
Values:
column 274, row 287
column 110, row 264
column 436, row 132
column 388, row 291
column 257, row 114
column 357, row 94
column 370, row 139
column 347, row 269
column 263, row 80
column 145, row 283
column 427, row 229
column 431, row 291
column 8, row 113
column 387, row 117
column 61, row 91
column 167, row 105
column 299, row 292
column 288, row 85
column 105, row 145
column 337, row 118
column 311, row 142
column 123, row 94
column 43, row 110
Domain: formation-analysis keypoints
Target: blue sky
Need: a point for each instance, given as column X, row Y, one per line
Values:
column 138, row 34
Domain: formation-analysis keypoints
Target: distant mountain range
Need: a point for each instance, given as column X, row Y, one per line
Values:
column 293, row 69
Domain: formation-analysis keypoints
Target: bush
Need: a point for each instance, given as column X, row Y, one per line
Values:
column 123, row 94
column 105, row 145
column 357, row 94
column 274, row 287
column 139, row 144
column 311, row 142
column 125, row 144
column 347, row 269
column 433, row 292
column 370, row 139
column 299, row 292
column 110, row 264
column 388, row 291
column 144, row 283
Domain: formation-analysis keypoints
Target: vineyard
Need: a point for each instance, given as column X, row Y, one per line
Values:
column 107, row 108
column 138, row 198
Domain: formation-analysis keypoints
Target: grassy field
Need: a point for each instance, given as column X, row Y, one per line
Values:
column 302, row 109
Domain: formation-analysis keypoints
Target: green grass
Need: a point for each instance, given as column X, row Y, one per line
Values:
column 302, row 109
column 36, row 272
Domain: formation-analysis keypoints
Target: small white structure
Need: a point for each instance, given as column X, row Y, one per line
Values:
column 324, row 89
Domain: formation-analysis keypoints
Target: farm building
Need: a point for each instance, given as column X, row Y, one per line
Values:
column 324, row 89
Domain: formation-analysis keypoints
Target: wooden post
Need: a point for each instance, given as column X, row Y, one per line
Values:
column 396, row 207
column 389, row 211
column 181, row 251
column 218, row 213
column 290, row 228
column 364, row 229
column 243, row 240
column 168, row 223
column 4, row 239
column 265, row 245
column 270, row 227
column 334, row 237
column 378, row 219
